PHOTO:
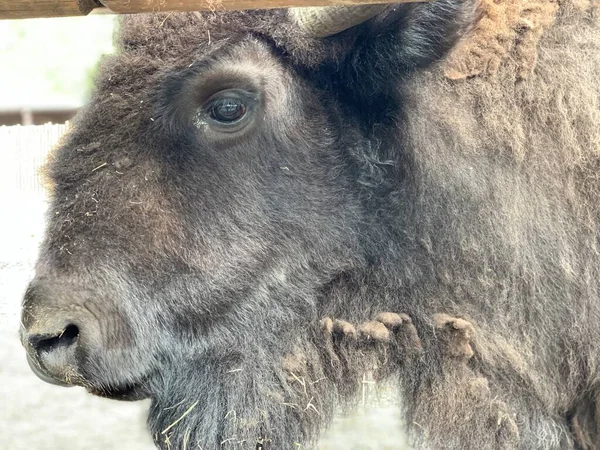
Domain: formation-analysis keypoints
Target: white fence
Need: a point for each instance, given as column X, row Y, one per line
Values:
column 23, row 151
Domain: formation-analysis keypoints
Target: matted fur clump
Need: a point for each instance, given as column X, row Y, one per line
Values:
column 507, row 30
column 246, row 218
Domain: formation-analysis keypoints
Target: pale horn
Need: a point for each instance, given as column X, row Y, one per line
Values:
column 323, row 21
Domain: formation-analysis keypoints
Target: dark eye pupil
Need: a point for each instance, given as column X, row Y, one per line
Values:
column 228, row 110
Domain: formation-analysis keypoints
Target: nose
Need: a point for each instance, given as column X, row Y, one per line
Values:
column 51, row 334
column 52, row 355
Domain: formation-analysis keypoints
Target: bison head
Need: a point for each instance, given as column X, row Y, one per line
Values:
column 229, row 168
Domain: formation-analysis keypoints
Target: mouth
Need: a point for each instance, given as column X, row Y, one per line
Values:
column 125, row 392
column 44, row 375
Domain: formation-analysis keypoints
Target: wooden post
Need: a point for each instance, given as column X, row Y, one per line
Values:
column 22, row 9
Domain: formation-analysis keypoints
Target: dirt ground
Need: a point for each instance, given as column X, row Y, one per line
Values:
column 38, row 416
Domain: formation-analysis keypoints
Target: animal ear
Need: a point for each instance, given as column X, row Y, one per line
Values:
column 402, row 39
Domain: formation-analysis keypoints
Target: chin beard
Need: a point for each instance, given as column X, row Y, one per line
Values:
column 245, row 398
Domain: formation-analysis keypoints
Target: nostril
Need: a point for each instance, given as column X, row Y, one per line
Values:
column 45, row 343
column 52, row 357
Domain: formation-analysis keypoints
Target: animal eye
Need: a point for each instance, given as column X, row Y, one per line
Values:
column 228, row 110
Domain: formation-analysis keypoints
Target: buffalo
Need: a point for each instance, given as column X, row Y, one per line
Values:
column 256, row 207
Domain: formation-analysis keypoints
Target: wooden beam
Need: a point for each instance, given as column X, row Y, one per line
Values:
column 134, row 6
column 23, row 9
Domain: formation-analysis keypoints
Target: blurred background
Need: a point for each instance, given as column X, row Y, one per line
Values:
column 47, row 66
column 46, row 73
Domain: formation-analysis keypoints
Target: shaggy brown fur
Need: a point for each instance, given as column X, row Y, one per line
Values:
column 192, row 262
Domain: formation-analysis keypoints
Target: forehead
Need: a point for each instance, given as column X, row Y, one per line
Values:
column 183, row 36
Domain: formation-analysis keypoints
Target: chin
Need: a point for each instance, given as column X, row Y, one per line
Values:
column 126, row 392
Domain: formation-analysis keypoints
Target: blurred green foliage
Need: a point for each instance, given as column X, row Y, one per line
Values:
column 51, row 60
